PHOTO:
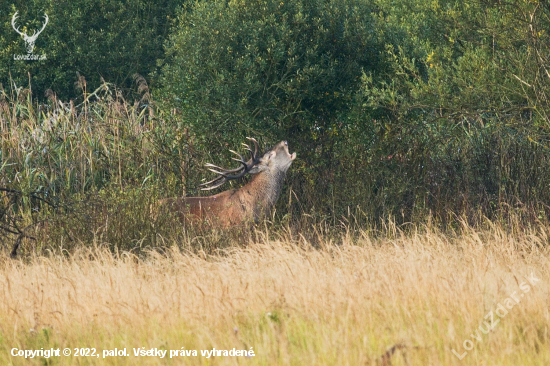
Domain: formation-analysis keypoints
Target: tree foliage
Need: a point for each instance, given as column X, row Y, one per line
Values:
column 450, row 112
column 405, row 109
column 277, row 70
column 98, row 38
column 464, row 104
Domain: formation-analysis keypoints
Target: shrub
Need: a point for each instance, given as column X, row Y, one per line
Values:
column 97, row 38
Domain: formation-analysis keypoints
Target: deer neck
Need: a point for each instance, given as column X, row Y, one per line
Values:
column 265, row 188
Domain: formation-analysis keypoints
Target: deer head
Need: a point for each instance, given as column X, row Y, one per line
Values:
column 29, row 40
column 277, row 160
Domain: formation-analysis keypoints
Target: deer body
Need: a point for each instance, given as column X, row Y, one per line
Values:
column 246, row 204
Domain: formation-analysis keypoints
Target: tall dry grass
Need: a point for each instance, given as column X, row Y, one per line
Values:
column 420, row 294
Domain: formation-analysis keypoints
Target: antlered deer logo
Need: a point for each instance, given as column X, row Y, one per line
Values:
column 29, row 40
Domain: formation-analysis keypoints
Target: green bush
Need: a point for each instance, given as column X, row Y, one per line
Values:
column 448, row 116
column 98, row 38
column 462, row 107
column 276, row 70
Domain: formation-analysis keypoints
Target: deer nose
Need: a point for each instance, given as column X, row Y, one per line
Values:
column 286, row 142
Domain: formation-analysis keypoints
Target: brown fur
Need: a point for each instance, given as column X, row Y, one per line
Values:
column 246, row 204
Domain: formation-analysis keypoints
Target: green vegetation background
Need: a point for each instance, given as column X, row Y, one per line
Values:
column 410, row 109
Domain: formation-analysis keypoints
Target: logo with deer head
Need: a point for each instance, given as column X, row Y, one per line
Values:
column 29, row 40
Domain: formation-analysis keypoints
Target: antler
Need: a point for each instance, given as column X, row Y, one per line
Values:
column 35, row 34
column 224, row 174
column 45, row 23
column 14, row 27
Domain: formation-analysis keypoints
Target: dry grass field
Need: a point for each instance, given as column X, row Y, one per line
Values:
column 399, row 299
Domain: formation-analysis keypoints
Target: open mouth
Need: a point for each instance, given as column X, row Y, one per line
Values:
column 293, row 155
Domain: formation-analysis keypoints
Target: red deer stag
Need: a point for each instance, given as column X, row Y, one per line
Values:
column 246, row 204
